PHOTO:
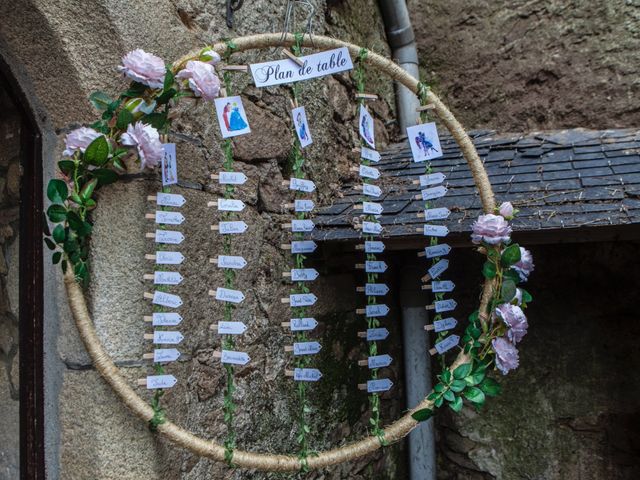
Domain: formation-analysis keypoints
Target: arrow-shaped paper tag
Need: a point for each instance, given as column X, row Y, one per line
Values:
column 229, row 295
column 376, row 310
column 371, row 227
column 447, row 344
column 306, row 374
column 379, row 385
column 375, row 266
column 233, row 357
column 161, row 355
column 302, row 225
column 306, row 348
column 379, row 361
column 302, row 299
column 375, row 334
column 170, row 199
column 436, row 214
column 369, row 154
column 232, row 178
column 433, row 193
column 301, row 185
column 437, row 250
column 303, row 324
column 303, row 246
column 230, row 205
column 161, row 381
column 376, row 289
column 166, row 299
column 373, row 246
column 231, row 328
column 445, row 324
column 165, row 257
column 303, row 205
column 439, row 268
column 369, row 172
column 169, row 218
column 372, row 208
column 231, row 261
column 371, row 190
column 230, row 228
column 169, row 236
column 436, row 231
column 167, row 278
column 303, row 274
column 442, row 286
column 432, row 179
column 445, row 305
column 164, row 337
column 166, row 319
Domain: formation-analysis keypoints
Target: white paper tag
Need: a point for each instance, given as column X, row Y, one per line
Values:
column 161, row 355
column 303, row 324
column 379, row 361
column 231, row 328
column 165, row 337
column 167, row 278
column 303, row 205
column 373, row 228
column 161, row 381
column 372, row 208
column 229, row 205
column 230, row 228
column 301, row 185
column 439, row 268
column 306, row 374
column 303, row 246
column 169, row 236
column 371, row 190
column 435, row 230
column 375, row 266
column 303, row 274
column 376, row 310
column 235, row 358
column 445, row 305
column 376, row 334
column 436, row 214
column 169, row 218
column 166, row 299
column 373, row 246
column 169, row 164
column 369, row 172
column 306, row 348
column 302, row 299
column 433, row 193
column 369, row 154
column 165, row 257
column 231, row 261
column 376, row 289
column 228, row 295
column 442, row 286
column 445, row 324
column 379, row 385
column 437, row 250
column 170, row 199
column 166, row 319
column 432, row 179
column 302, row 225
column 232, row 178
column 447, row 344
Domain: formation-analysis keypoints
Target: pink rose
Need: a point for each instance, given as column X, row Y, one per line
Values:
column 506, row 210
column 491, row 229
column 203, row 80
column 514, row 318
column 506, row 355
column 147, row 140
column 79, row 139
column 525, row 266
column 144, row 67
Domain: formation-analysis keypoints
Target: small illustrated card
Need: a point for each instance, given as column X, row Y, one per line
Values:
column 231, row 116
column 424, row 142
column 366, row 127
column 302, row 126
column 169, row 165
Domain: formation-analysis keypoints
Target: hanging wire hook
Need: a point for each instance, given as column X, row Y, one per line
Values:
column 289, row 22
column 232, row 6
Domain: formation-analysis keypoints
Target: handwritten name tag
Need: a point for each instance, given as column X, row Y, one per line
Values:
column 167, row 278
column 166, row 299
column 373, row 246
column 372, row 208
column 445, row 305
column 371, row 227
column 228, row 295
column 375, row 334
column 432, row 179
column 230, row 228
column 232, row 178
column 379, row 361
column 304, row 274
column 161, row 381
column 301, row 185
column 169, row 218
column 169, row 236
column 162, row 355
column 302, row 225
column 229, row 205
column 375, row 266
column 369, row 154
column 436, row 214
column 303, row 246
column 376, row 310
column 438, row 269
column 306, row 348
column 166, row 319
column 303, row 205
column 233, row 357
column 168, row 338
column 436, row 231
column 302, row 299
column 437, row 250
column 231, row 328
column 442, row 286
column 376, row 289
column 303, row 324
column 170, row 199
column 447, row 344
column 164, row 257
column 231, row 261
column 306, row 374
column 433, row 193
column 445, row 324
column 371, row 190
column 369, row 172
column 380, row 385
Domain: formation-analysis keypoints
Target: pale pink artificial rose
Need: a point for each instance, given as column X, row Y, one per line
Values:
column 208, row 55
column 525, row 266
column 147, row 140
column 506, row 210
column 144, row 67
column 79, row 139
column 514, row 318
column 490, row 229
column 203, row 80
column 506, row 355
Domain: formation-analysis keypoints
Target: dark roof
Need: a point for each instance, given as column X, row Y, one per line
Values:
column 558, row 180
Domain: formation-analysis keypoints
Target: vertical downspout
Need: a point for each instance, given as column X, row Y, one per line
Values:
column 417, row 361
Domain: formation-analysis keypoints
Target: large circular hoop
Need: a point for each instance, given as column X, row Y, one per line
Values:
column 263, row 461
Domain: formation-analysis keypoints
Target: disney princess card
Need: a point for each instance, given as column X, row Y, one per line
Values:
column 231, row 116
column 424, row 142
column 302, row 126
column 366, row 127
column 169, row 165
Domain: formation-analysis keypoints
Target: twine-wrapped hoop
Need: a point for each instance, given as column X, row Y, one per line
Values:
column 263, row 461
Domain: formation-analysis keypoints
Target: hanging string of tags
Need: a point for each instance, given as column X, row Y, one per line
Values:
column 425, row 146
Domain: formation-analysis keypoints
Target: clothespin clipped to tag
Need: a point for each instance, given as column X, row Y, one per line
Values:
column 428, row 106
column 229, row 328
column 303, row 348
column 157, row 381
column 378, row 385
column 233, row 68
column 300, row 246
column 232, row 357
column 435, row 251
column 374, row 334
column 366, row 96
column 304, row 374
column 229, row 261
column 300, row 324
column 167, row 199
column 442, row 325
column 227, row 295
column 445, row 345
column 377, row 361
column 443, row 305
column 291, row 56
column 300, row 299
column 301, row 274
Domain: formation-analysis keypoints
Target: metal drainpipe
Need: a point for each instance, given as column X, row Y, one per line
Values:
column 417, row 361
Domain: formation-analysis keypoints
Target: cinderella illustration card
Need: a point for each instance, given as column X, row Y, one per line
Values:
column 231, row 116
column 302, row 126
column 169, row 165
column 366, row 127
column 424, row 142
